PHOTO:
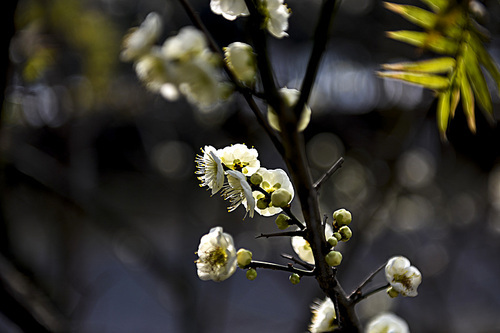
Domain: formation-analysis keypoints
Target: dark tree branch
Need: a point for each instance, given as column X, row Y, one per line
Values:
column 361, row 297
column 321, row 36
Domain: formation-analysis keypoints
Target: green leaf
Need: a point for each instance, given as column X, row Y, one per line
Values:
column 436, row 65
column 416, row 15
column 485, row 59
column 467, row 100
column 454, row 99
column 429, row 81
column 443, row 112
column 436, row 5
column 477, row 81
column 431, row 40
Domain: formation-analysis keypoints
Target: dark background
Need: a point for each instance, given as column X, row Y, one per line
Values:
column 101, row 212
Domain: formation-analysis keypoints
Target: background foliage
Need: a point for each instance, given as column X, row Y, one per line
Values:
column 101, row 212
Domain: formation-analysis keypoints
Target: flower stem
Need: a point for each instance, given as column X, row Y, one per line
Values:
column 277, row 267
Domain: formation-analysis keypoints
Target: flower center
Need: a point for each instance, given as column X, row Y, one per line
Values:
column 217, row 257
column 404, row 280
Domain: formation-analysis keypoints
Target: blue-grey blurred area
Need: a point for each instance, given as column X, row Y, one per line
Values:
column 101, row 212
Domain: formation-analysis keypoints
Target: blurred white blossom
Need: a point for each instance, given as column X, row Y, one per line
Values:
column 403, row 277
column 277, row 14
column 290, row 97
column 229, row 9
column 240, row 58
column 387, row 323
column 217, row 256
column 140, row 39
column 323, row 316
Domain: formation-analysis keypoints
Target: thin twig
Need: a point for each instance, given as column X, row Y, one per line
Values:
column 277, row 267
column 282, row 234
column 294, row 219
column 337, row 165
column 357, row 292
column 359, row 298
column 298, row 261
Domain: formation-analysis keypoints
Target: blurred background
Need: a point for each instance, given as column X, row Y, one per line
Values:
column 101, row 213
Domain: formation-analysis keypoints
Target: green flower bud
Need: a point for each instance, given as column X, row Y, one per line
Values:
column 332, row 241
column 251, row 274
column 346, row 233
column 342, row 217
column 392, row 292
column 262, row 203
column 243, row 257
column 282, row 221
column 337, row 235
column 294, row 278
column 333, row 258
column 281, row 198
column 256, row 179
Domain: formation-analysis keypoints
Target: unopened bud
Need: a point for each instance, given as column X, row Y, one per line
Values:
column 332, row 241
column 281, row 198
column 294, row 278
column 333, row 258
column 282, row 221
column 346, row 233
column 262, row 203
column 337, row 235
column 392, row 292
column 243, row 257
column 251, row 274
column 342, row 217
column 256, row 179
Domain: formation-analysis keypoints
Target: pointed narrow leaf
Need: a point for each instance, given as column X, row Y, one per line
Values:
column 429, row 81
column 436, row 5
column 416, row 15
column 485, row 59
column 454, row 99
column 432, row 41
column 468, row 102
column 477, row 81
column 443, row 112
column 436, row 65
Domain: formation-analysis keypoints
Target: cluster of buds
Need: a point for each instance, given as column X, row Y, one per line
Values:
column 341, row 233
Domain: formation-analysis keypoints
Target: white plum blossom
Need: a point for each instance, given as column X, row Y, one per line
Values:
column 387, row 323
column 272, row 180
column 140, row 39
column 241, row 158
column 202, row 83
column 189, row 43
column 210, row 169
column 238, row 191
column 240, row 58
column 323, row 318
column 277, row 14
column 403, row 277
column 290, row 97
column 217, row 256
column 229, row 9
column 303, row 248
